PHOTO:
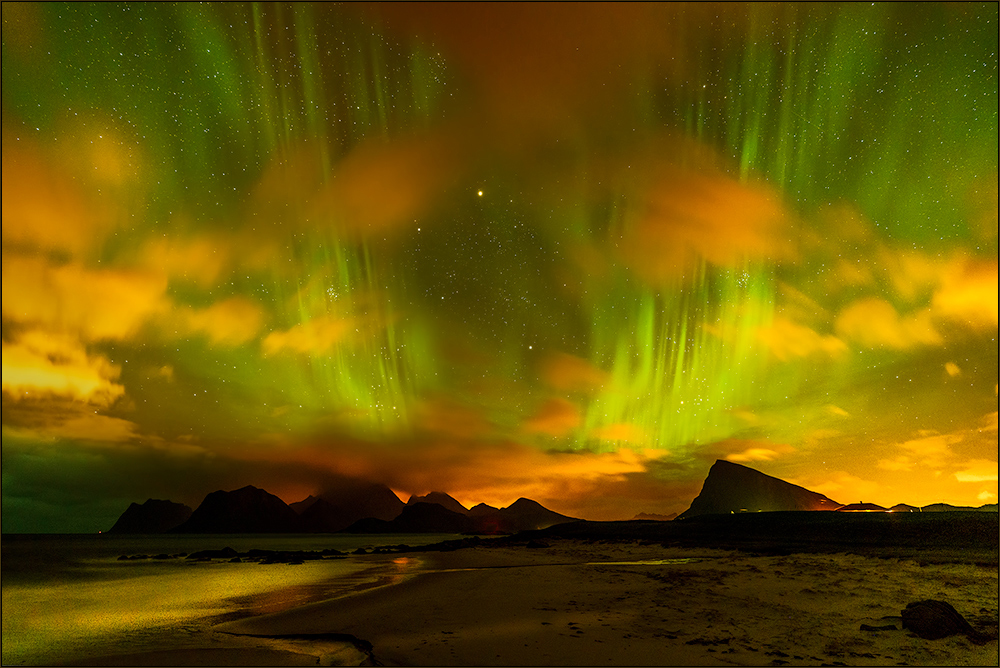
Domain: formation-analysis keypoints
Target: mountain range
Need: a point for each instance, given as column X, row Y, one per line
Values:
column 356, row 506
column 350, row 506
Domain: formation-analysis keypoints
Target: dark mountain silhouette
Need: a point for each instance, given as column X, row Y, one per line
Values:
column 487, row 518
column 321, row 516
column 947, row 507
column 522, row 515
column 862, row 507
column 300, row 506
column 418, row 518
column 655, row 516
column 525, row 514
column 482, row 509
column 904, row 508
column 734, row 488
column 367, row 499
column 344, row 502
column 441, row 499
column 154, row 516
column 245, row 510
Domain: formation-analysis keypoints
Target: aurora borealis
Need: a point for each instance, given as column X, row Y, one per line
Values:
column 568, row 252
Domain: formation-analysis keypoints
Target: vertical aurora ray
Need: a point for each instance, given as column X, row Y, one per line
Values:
column 680, row 359
column 366, row 376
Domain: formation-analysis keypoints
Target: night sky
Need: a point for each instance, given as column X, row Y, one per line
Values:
column 569, row 252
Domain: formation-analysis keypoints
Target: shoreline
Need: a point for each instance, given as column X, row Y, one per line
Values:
column 579, row 602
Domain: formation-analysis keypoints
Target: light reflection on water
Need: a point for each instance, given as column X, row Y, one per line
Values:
column 646, row 562
column 98, row 607
column 43, row 623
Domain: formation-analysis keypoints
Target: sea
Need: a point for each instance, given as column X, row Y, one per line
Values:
column 68, row 598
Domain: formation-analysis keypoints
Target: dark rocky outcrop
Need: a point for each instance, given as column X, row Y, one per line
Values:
column 224, row 553
column 442, row 499
column 245, row 510
column 734, row 488
column 932, row 620
column 154, row 516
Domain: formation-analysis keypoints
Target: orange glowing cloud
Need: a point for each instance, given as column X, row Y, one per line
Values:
column 98, row 149
column 314, row 337
column 201, row 260
column 568, row 373
column 687, row 216
column 754, row 455
column 926, row 472
column 787, row 340
column 43, row 206
column 931, row 449
column 745, row 450
column 376, row 188
column 447, row 418
column 928, row 451
column 381, row 186
column 873, row 322
column 912, row 275
column 97, row 303
column 969, row 296
column 846, row 487
column 557, row 417
column 978, row 470
column 230, row 322
column 39, row 364
column 92, row 427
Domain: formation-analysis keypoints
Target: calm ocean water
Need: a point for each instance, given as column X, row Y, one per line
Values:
column 67, row 597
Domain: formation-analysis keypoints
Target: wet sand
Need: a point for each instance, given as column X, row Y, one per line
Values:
column 575, row 603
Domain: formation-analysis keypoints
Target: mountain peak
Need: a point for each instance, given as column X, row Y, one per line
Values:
column 440, row 498
column 153, row 516
column 734, row 488
column 245, row 510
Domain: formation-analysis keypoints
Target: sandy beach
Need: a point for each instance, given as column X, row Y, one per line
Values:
column 579, row 603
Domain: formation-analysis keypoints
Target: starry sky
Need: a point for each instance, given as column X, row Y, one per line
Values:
column 569, row 252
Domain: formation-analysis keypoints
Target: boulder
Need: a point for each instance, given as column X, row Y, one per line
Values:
column 224, row 553
column 932, row 620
